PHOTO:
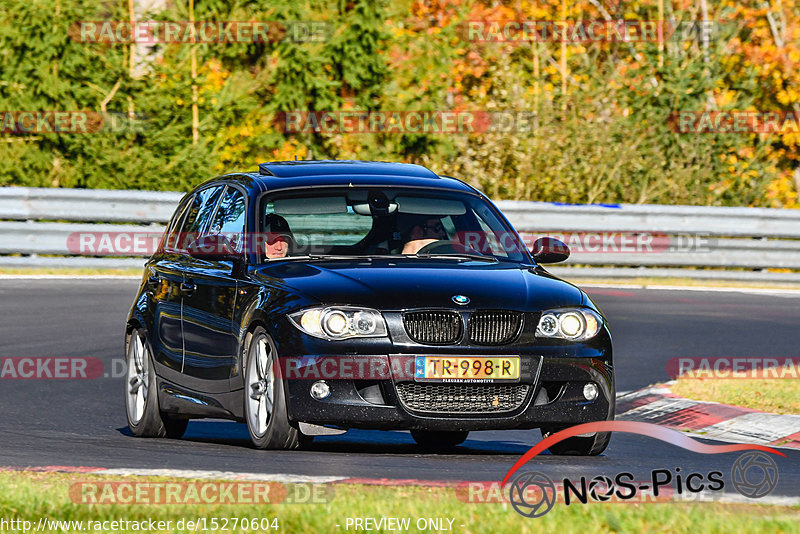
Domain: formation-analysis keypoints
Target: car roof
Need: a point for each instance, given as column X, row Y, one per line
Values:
column 276, row 175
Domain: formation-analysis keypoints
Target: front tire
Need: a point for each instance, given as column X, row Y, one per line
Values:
column 438, row 440
column 577, row 446
column 582, row 446
column 141, row 394
column 264, row 397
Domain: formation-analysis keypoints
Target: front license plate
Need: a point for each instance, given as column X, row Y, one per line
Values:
column 466, row 368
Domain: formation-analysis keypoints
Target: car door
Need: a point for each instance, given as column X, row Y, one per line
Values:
column 164, row 278
column 209, row 298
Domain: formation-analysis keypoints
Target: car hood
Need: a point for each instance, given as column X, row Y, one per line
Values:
column 395, row 285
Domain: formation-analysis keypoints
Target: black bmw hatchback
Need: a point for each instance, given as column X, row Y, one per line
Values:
column 315, row 296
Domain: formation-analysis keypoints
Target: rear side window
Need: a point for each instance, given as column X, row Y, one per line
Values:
column 229, row 219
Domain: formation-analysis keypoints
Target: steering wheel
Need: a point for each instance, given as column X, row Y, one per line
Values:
column 445, row 246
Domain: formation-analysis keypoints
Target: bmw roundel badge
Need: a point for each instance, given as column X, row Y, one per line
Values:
column 461, row 300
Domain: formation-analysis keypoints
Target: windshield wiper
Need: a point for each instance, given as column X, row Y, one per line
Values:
column 472, row 257
column 324, row 257
column 320, row 257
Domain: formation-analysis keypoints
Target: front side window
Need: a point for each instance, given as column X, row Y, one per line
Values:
column 230, row 218
column 198, row 213
column 384, row 222
column 173, row 236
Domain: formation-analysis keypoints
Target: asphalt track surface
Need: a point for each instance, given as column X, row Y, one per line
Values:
column 82, row 422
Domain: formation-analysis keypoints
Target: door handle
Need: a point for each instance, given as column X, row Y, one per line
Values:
column 188, row 287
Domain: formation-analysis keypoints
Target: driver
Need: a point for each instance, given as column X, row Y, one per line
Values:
column 426, row 232
column 278, row 237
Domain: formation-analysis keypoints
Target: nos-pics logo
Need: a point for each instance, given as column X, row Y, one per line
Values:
column 533, row 494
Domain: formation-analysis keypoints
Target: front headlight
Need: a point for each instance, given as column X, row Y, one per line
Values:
column 340, row 322
column 575, row 324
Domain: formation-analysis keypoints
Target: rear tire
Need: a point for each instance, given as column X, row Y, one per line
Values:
column 141, row 393
column 264, row 397
column 439, row 440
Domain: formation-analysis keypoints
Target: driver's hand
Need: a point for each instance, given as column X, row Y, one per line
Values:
column 413, row 246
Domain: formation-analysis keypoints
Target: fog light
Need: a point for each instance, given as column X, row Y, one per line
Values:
column 589, row 391
column 320, row 390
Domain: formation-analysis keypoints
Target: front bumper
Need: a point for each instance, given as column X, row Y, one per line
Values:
column 561, row 379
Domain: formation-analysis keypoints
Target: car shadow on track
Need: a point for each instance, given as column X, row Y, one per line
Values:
column 363, row 441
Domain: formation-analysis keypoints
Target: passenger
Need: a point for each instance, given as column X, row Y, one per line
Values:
column 426, row 232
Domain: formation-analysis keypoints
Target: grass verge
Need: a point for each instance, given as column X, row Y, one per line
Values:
column 31, row 496
column 767, row 395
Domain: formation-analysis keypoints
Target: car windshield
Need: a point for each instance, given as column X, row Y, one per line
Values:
column 369, row 222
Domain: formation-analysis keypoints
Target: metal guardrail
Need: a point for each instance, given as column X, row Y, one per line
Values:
column 39, row 226
column 89, row 205
column 750, row 240
column 653, row 218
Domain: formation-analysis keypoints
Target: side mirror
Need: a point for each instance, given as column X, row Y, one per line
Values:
column 213, row 248
column 549, row 250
